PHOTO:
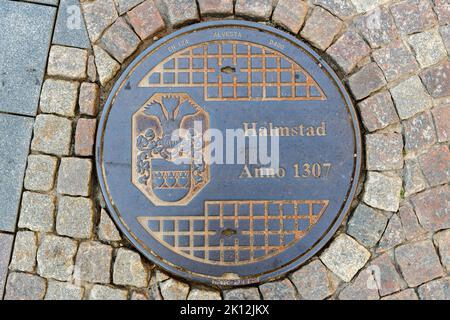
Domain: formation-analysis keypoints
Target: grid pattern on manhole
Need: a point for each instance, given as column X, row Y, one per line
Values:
column 231, row 232
column 235, row 70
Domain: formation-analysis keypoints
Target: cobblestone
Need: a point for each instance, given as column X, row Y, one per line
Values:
column 24, row 252
column 418, row 262
column 146, row 19
column 40, row 173
column 340, row 8
column 107, row 67
column 37, row 212
column 253, row 9
column 89, row 99
column 442, row 9
column 389, row 280
column 204, row 294
column 23, row 286
column 119, row 40
column 437, row 79
column 129, row 270
column 242, row 294
column 432, row 208
column 393, row 235
column 382, row 191
column 410, row 97
column 216, row 7
column 367, row 225
column 74, row 177
column 321, row 28
column 99, row 15
column 67, row 62
column 75, row 216
column 378, row 111
column 107, row 230
column 435, row 290
column 172, row 289
column 414, row 181
column 348, row 50
column 367, row 5
column 6, row 244
column 419, row 132
column 408, row 294
column 428, row 47
column 290, row 14
column 366, row 81
column 445, row 34
column 52, row 135
column 59, row 97
column 63, row 291
column 85, row 137
column 442, row 241
column 362, row 288
column 441, row 116
column 100, row 292
column 278, row 290
column 377, row 27
column 55, row 257
column 435, row 165
column 384, row 151
column 413, row 16
column 409, row 221
column 345, row 257
column 395, row 60
column 126, row 5
column 181, row 12
column 93, row 262
column 313, row 281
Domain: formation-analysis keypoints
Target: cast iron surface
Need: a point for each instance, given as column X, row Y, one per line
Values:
column 231, row 224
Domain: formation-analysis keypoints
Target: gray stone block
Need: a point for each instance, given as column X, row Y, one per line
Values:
column 15, row 135
column 26, row 34
column 70, row 29
column 6, row 241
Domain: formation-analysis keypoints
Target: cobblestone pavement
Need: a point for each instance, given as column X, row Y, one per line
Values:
column 58, row 61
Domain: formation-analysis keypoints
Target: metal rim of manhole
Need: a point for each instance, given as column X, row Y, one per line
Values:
column 235, row 222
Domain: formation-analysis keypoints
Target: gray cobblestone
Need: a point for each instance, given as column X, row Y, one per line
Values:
column 313, row 281
column 93, row 262
column 428, row 47
column 435, row 290
column 378, row 111
column 172, row 289
column 100, row 292
column 242, row 294
column 107, row 67
column 129, row 270
column 204, row 294
column 59, row 97
column 23, row 286
column 181, row 12
column 382, row 191
column 345, row 257
column 253, row 9
column 75, row 217
column 74, row 177
column 377, row 27
column 413, row 16
column 393, row 235
column 410, row 97
column 362, row 288
column 63, row 291
column 340, row 8
column 37, row 212
column 52, row 135
column 278, row 290
column 99, row 15
column 442, row 241
column 384, row 151
column 432, row 208
column 40, row 173
column 107, row 231
column 367, row 225
column 24, row 252
column 418, row 262
column 414, row 181
column 67, row 62
column 366, row 81
column 55, row 257
column 419, row 132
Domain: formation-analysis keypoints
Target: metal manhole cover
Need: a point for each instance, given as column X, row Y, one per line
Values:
column 228, row 153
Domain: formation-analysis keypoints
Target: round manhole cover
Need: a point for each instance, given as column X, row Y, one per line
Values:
column 228, row 153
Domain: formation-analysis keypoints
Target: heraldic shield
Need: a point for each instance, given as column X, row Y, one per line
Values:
column 168, row 149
